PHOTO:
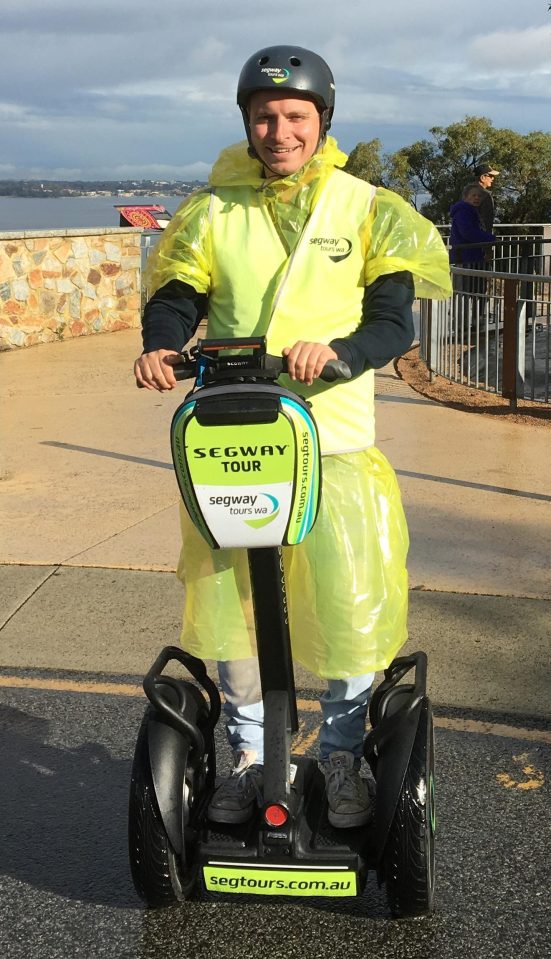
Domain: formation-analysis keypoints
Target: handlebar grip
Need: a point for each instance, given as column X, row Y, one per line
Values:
column 332, row 371
column 335, row 370
column 183, row 372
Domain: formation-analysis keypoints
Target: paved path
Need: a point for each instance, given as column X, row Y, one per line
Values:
column 89, row 530
column 89, row 481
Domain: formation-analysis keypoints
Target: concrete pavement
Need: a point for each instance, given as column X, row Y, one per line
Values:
column 89, row 529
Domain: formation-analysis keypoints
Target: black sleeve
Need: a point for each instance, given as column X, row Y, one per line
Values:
column 386, row 327
column 171, row 316
column 486, row 211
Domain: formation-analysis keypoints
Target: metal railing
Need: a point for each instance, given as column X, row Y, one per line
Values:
column 149, row 239
column 493, row 334
column 519, row 248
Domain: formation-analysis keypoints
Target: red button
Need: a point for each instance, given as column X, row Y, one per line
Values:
column 275, row 815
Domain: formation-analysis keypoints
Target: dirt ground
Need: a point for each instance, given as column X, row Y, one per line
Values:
column 413, row 371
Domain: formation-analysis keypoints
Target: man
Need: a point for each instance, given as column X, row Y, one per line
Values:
column 283, row 243
column 485, row 175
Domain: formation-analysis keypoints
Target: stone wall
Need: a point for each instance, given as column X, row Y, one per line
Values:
column 57, row 284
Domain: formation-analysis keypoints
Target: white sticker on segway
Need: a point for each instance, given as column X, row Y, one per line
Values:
column 246, row 516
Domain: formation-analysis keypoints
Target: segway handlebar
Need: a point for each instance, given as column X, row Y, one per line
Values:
column 206, row 356
column 211, row 360
column 332, row 371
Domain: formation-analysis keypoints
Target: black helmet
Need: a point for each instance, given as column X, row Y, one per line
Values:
column 288, row 68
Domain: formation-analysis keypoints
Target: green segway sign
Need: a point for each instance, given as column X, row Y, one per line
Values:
column 249, row 484
column 283, row 881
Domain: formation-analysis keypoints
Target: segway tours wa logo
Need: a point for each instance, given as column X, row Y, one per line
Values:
column 276, row 74
column 338, row 247
column 268, row 507
column 256, row 509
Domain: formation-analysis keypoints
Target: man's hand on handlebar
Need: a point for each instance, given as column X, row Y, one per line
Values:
column 154, row 370
column 305, row 360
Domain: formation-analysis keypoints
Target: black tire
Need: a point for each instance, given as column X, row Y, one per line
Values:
column 409, row 852
column 159, row 876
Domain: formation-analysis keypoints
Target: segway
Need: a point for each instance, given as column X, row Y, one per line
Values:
column 247, row 459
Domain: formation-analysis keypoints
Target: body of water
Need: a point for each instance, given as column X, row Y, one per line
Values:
column 70, row 212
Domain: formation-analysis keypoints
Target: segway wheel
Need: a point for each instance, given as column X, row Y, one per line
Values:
column 157, row 871
column 409, row 852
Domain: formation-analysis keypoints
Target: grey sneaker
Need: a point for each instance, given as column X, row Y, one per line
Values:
column 233, row 801
column 348, row 795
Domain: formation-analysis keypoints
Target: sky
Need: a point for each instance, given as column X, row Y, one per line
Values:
column 143, row 89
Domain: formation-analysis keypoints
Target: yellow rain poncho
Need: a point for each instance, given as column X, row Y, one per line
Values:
column 290, row 259
column 397, row 237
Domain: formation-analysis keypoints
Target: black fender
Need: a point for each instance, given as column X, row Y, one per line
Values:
column 179, row 729
column 395, row 712
column 169, row 754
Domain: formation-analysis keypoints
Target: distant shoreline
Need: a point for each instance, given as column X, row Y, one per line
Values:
column 84, row 196
column 120, row 189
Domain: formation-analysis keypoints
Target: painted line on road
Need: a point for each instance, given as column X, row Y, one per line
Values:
column 71, row 686
column 530, row 777
column 476, row 726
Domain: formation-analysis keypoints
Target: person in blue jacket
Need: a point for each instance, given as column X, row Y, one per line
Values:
column 466, row 228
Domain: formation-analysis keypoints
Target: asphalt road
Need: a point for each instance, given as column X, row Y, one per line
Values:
column 65, row 888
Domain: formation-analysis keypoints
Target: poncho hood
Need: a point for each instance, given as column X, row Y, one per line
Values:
column 234, row 166
column 396, row 237
column 290, row 199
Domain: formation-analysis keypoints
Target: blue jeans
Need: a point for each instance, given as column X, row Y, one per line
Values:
column 343, row 708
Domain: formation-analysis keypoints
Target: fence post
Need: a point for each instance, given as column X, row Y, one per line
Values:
column 429, row 338
column 527, row 265
column 510, row 341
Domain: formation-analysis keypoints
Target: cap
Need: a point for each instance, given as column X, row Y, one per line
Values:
column 485, row 170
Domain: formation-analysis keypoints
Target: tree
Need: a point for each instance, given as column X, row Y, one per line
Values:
column 388, row 170
column 365, row 162
column 524, row 193
column 445, row 164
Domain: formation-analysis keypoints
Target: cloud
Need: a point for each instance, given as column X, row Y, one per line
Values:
column 514, row 51
column 189, row 171
column 216, row 88
column 14, row 115
column 152, row 87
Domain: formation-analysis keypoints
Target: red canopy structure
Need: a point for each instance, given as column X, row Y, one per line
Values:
column 147, row 215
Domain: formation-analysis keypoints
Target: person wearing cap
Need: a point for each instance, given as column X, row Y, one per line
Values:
column 283, row 243
column 485, row 175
